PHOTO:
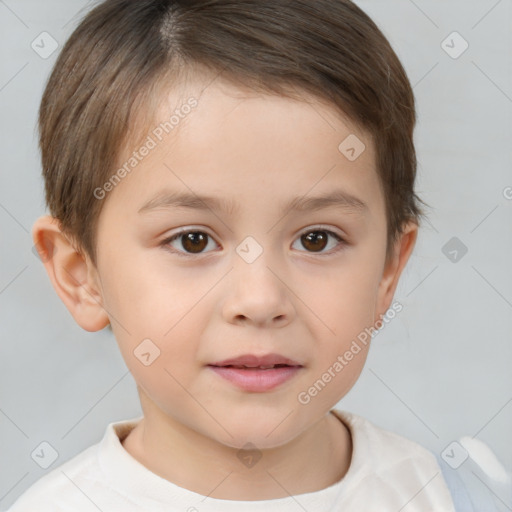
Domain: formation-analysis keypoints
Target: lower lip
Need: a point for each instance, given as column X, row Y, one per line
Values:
column 256, row 380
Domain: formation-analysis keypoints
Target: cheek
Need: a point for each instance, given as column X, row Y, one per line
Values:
column 149, row 298
column 157, row 305
column 343, row 299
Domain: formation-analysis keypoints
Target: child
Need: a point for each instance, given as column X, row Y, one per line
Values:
column 231, row 189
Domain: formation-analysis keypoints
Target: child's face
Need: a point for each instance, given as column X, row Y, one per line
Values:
column 206, row 299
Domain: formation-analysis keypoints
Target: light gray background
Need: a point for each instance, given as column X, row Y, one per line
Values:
column 439, row 371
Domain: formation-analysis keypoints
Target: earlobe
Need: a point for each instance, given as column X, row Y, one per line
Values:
column 394, row 267
column 73, row 275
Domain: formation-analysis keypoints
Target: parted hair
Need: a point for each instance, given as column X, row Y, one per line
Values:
column 124, row 53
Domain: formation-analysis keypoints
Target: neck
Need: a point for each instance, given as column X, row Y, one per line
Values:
column 317, row 458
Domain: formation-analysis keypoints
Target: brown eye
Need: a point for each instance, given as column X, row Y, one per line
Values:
column 317, row 240
column 194, row 242
column 188, row 243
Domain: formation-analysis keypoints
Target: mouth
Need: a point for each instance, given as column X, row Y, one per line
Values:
column 244, row 367
column 257, row 374
column 257, row 379
column 264, row 362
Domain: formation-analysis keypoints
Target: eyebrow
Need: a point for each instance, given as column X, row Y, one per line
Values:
column 339, row 199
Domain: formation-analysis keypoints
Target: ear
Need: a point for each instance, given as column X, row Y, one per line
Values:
column 393, row 267
column 73, row 276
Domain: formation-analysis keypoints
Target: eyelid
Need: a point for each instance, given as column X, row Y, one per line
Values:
column 321, row 227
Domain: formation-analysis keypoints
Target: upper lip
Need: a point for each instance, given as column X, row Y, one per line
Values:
column 255, row 361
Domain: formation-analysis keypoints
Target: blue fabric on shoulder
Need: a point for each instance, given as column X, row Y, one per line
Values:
column 458, row 491
column 467, row 493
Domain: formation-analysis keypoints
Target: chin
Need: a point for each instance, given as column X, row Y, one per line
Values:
column 264, row 435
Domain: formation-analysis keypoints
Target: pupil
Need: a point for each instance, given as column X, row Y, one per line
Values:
column 194, row 242
column 315, row 241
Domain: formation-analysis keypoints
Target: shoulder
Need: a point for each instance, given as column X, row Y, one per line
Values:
column 84, row 483
column 387, row 466
column 56, row 490
column 384, row 447
column 397, row 461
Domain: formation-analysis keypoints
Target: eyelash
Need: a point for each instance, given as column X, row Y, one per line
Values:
column 165, row 243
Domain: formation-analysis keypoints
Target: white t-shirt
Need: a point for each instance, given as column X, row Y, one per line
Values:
column 387, row 473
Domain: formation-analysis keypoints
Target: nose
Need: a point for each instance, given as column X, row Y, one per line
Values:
column 257, row 295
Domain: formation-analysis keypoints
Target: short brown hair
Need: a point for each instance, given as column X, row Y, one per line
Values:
column 123, row 50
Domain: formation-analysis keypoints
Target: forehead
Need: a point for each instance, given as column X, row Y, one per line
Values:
column 212, row 137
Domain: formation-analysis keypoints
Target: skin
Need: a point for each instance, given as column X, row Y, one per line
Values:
column 259, row 151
